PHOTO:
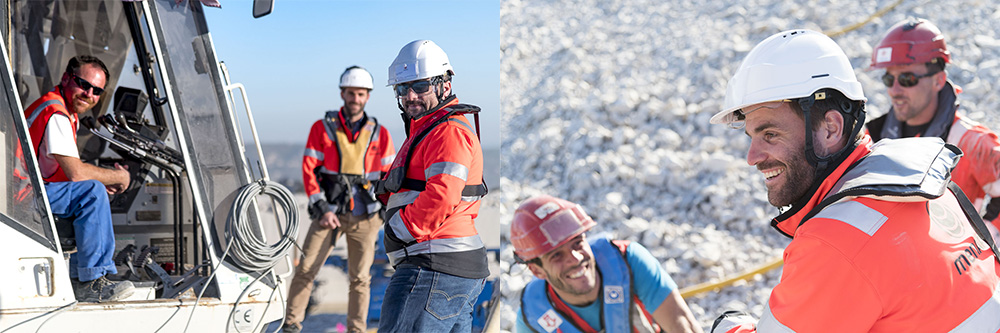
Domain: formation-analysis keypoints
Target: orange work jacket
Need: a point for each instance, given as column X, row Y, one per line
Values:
column 884, row 246
column 434, row 226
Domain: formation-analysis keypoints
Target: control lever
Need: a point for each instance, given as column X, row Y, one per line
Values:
column 135, row 143
column 124, row 124
column 108, row 121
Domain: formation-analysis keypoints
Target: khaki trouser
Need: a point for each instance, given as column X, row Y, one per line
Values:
column 361, row 236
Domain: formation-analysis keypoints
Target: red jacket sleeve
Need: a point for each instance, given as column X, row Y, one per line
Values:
column 313, row 157
column 982, row 148
column 386, row 150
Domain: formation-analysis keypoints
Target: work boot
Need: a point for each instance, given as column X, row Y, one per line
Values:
column 290, row 328
column 103, row 290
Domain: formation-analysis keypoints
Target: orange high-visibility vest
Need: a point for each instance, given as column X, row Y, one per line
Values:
column 38, row 115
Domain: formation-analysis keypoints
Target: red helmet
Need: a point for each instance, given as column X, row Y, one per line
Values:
column 543, row 223
column 912, row 41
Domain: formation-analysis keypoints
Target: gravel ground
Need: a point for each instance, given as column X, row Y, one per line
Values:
column 606, row 103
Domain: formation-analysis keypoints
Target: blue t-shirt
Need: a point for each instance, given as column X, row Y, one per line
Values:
column 652, row 284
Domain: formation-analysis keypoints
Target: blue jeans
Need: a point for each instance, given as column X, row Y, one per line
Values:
column 87, row 203
column 421, row 300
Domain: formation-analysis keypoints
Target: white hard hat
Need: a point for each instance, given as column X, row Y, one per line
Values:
column 418, row 60
column 788, row 65
column 357, row 77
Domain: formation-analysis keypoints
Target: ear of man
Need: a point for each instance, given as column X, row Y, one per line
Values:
column 939, row 80
column 537, row 270
column 829, row 136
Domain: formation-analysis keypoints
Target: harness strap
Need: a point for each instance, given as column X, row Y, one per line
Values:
column 468, row 191
column 564, row 309
column 977, row 221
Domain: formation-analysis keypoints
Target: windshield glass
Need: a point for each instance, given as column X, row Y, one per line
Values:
column 44, row 35
column 197, row 94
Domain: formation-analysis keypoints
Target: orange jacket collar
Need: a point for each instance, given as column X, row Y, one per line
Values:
column 788, row 224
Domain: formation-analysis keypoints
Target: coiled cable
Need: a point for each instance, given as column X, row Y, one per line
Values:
column 246, row 245
column 249, row 250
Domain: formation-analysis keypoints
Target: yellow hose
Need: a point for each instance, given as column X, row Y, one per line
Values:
column 852, row 27
column 709, row 286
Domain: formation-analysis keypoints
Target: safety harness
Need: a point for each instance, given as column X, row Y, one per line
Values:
column 397, row 180
column 351, row 151
column 622, row 311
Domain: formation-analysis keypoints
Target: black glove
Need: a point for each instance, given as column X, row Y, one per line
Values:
column 992, row 210
column 317, row 209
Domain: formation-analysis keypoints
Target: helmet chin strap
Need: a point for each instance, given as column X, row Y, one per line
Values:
column 824, row 165
column 406, row 117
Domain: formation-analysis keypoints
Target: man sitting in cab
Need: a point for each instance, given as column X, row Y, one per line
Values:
column 78, row 190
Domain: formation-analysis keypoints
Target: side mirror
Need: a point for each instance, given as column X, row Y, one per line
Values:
column 262, row 7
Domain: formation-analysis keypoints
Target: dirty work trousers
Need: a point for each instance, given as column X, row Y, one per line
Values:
column 361, row 234
column 86, row 202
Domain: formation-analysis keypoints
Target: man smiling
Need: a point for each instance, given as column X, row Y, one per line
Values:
column 78, row 190
column 882, row 241
column 599, row 285
column 435, row 185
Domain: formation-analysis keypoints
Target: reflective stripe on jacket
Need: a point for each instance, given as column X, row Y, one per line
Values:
column 540, row 314
column 37, row 116
column 333, row 150
column 435, row 228
column 889, row 249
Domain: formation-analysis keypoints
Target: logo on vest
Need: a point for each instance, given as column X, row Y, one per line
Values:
column 614, row 295
column 550, row 321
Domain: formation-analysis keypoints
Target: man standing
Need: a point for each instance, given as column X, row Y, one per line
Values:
column 597, row 286
column 78, row 190
column 345, row 152
column 880, row 240
column 924, row 104
column 435, row 183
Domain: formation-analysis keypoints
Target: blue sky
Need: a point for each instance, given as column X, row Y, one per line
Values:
column 291, row 60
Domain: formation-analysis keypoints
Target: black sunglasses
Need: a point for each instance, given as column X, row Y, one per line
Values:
column 418, row 87
column 86, row 85
column 906, row 80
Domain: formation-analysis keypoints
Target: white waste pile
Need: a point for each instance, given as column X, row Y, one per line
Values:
column 606, row 103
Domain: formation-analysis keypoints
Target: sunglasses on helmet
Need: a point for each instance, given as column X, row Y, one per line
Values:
column 86, row 85
column 418, row 87
column 906, row 80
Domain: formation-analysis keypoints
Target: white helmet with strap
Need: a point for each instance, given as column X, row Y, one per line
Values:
column 418, row 60
column 786, row 66
column 799, row 67
column 357, row 77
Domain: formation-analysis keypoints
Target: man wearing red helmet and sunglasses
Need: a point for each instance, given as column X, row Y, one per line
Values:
column 924, row 104
column 595, row 285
